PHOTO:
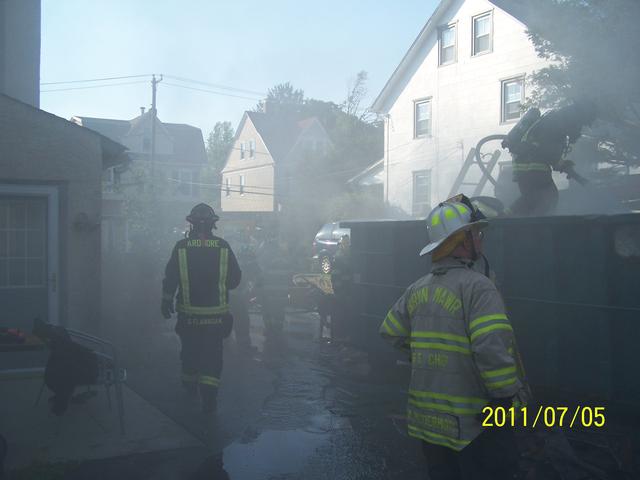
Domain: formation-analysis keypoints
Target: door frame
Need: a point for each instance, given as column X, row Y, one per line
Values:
column 50, row 192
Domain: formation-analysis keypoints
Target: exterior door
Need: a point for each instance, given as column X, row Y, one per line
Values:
column 28, row 255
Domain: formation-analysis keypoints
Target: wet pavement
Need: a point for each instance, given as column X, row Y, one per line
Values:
column 296, row 408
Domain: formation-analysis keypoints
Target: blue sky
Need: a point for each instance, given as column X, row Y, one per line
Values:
column 249, row 45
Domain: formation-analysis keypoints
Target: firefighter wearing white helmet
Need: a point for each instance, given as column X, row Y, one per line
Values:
column 463, row 352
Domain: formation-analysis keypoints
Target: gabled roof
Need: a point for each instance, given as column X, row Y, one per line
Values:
column 279, row 131
column 188, row 143
column 519, row 9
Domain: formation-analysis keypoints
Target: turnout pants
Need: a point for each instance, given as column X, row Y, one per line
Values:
column 538, row 194
column 201, row 355
column 493, row 455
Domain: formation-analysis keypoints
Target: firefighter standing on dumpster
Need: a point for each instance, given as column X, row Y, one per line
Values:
column 463, row 353
column 203, row 268
column 539, row 144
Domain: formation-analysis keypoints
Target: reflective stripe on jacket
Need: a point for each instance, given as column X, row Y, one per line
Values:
column 203, row 270
column 463, row 352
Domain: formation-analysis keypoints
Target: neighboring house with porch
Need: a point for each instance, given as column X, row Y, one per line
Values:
column 463, row 78
column 180, row 158
column 259, row 176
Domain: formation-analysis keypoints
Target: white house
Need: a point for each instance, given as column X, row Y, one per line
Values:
column 463, row 78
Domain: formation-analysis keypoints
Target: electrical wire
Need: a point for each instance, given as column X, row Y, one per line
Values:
column 95, row 79
column 215, row 85
column 91, row 86
column 208, row 91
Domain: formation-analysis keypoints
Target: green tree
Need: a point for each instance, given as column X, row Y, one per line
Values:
column 282, row 97
column 219, row 144
column 592, row 46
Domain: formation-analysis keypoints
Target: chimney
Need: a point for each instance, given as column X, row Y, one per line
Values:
column 141, row 111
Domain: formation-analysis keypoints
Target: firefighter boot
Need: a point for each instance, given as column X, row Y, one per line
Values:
column 209, row 400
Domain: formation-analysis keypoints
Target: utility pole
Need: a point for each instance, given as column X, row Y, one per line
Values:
column 154, row 116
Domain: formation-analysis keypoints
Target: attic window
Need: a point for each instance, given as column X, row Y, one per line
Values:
column 482, row 26
column 252, row 148
column 242, row 149
column 447, row 41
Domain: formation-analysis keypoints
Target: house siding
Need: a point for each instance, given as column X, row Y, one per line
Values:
column 258, row 172
column 466, row 101
column 38, row 149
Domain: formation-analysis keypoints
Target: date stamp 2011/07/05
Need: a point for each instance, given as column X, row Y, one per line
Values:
column 580, row 416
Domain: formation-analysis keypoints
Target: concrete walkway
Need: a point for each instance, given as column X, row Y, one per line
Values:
column 85, row 431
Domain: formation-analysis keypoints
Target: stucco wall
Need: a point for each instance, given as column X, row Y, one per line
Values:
column 258, row 172
column 39, row 148
column 466, row 101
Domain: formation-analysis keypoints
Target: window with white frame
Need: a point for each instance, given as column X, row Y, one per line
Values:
column 447, row 41
column 482, row 33
column 422, row 118
column 421, row 192
column 227, row 187
column 242, row 150
column 512, row 98
column 241, row 184
column 252, row 148
column 23, row 242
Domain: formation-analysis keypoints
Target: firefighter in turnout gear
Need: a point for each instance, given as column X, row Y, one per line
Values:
column 538, row 145
column 202, row 269
column 463, row 353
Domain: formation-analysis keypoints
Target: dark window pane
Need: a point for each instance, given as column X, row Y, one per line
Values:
column 3, row 272
column 17, row 273
column 482, row 44
column 4, row 214
column 4, row 244
column 17, row 213
column 35, row 244
column 36, row 215
column 35, row 273
column 448, row 54
column 17, row 245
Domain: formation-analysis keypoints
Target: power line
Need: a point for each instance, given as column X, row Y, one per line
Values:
column 210, row 91
column 209, row 185
column 215, row 85
column 92, row 86
column 95, row 79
